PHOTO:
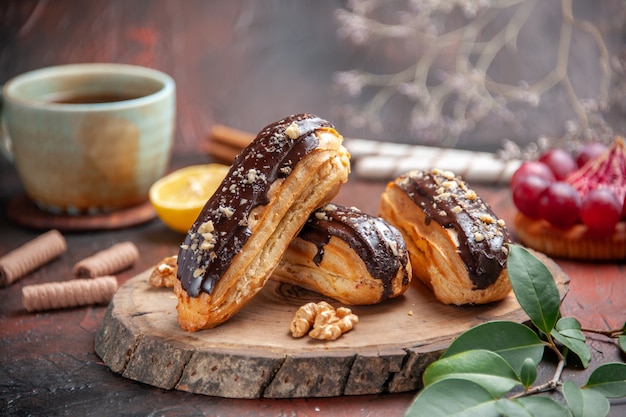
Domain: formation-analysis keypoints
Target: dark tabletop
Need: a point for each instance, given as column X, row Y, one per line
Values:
column 239, row 63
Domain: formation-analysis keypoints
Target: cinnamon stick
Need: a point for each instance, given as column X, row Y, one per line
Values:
column 225, row 143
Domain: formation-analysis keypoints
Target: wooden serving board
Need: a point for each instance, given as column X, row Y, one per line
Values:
column 253, row 354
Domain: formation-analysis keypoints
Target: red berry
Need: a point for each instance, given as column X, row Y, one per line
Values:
column 560, row 162
column 528, row 168
column 600, row 211
column 560, row 204
column 588, row 152
column 526, row 194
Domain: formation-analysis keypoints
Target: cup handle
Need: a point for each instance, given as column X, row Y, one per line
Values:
column 6, row 145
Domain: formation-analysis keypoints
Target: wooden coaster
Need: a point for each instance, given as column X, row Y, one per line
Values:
column 25, row 212
column 253, row 355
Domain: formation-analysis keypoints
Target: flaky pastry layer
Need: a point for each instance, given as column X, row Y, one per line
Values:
column 349, row 256
column 435, row 250
column 222, row 265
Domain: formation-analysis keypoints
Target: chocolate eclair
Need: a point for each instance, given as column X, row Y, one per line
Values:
column 290, row 169
column 347, row 255
column 456, row 243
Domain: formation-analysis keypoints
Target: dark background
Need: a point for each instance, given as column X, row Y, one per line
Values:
column 247, row 63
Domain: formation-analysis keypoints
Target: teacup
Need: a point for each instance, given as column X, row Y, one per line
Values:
column 89, row 138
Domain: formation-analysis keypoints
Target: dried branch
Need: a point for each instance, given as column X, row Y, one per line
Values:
column 449, row 101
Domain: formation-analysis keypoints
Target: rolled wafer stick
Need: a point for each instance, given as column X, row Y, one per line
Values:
column 477, row 167
column 384, row 160
column 30, row 256
column 108, row 261
column 66, row 294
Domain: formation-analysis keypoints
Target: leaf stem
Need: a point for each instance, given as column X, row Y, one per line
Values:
column 551, row 385
column 613, row 333
column 552, row 345
column 555, row 381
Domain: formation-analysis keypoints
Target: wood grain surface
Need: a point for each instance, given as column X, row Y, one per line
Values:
column 253, row 354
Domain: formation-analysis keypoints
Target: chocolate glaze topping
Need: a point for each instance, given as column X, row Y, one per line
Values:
column 379, row 244
column 450, row 202
column 221, row 230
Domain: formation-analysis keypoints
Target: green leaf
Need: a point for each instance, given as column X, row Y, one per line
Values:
column 570, row 327
column 609, row 380
column 568, row 332
column 528, row 374
column 488, row 369
column 577, row 347
column 510, row 408
column 515, row 342
column 621, row 341
column 532, row 407
column 540, row 406
column 585, row 403
column 453, row 398
column 534, row 288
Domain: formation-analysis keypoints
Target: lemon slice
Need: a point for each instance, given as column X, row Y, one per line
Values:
column 178, row 197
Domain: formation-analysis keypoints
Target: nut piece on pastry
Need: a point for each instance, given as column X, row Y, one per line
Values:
column 348, row 255
column 291, row 168
column 456, row 243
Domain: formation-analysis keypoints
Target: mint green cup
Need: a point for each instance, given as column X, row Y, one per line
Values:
column 89, row 138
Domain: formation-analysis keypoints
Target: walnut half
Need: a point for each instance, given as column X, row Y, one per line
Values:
column 327, row 323
column 164, row 273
